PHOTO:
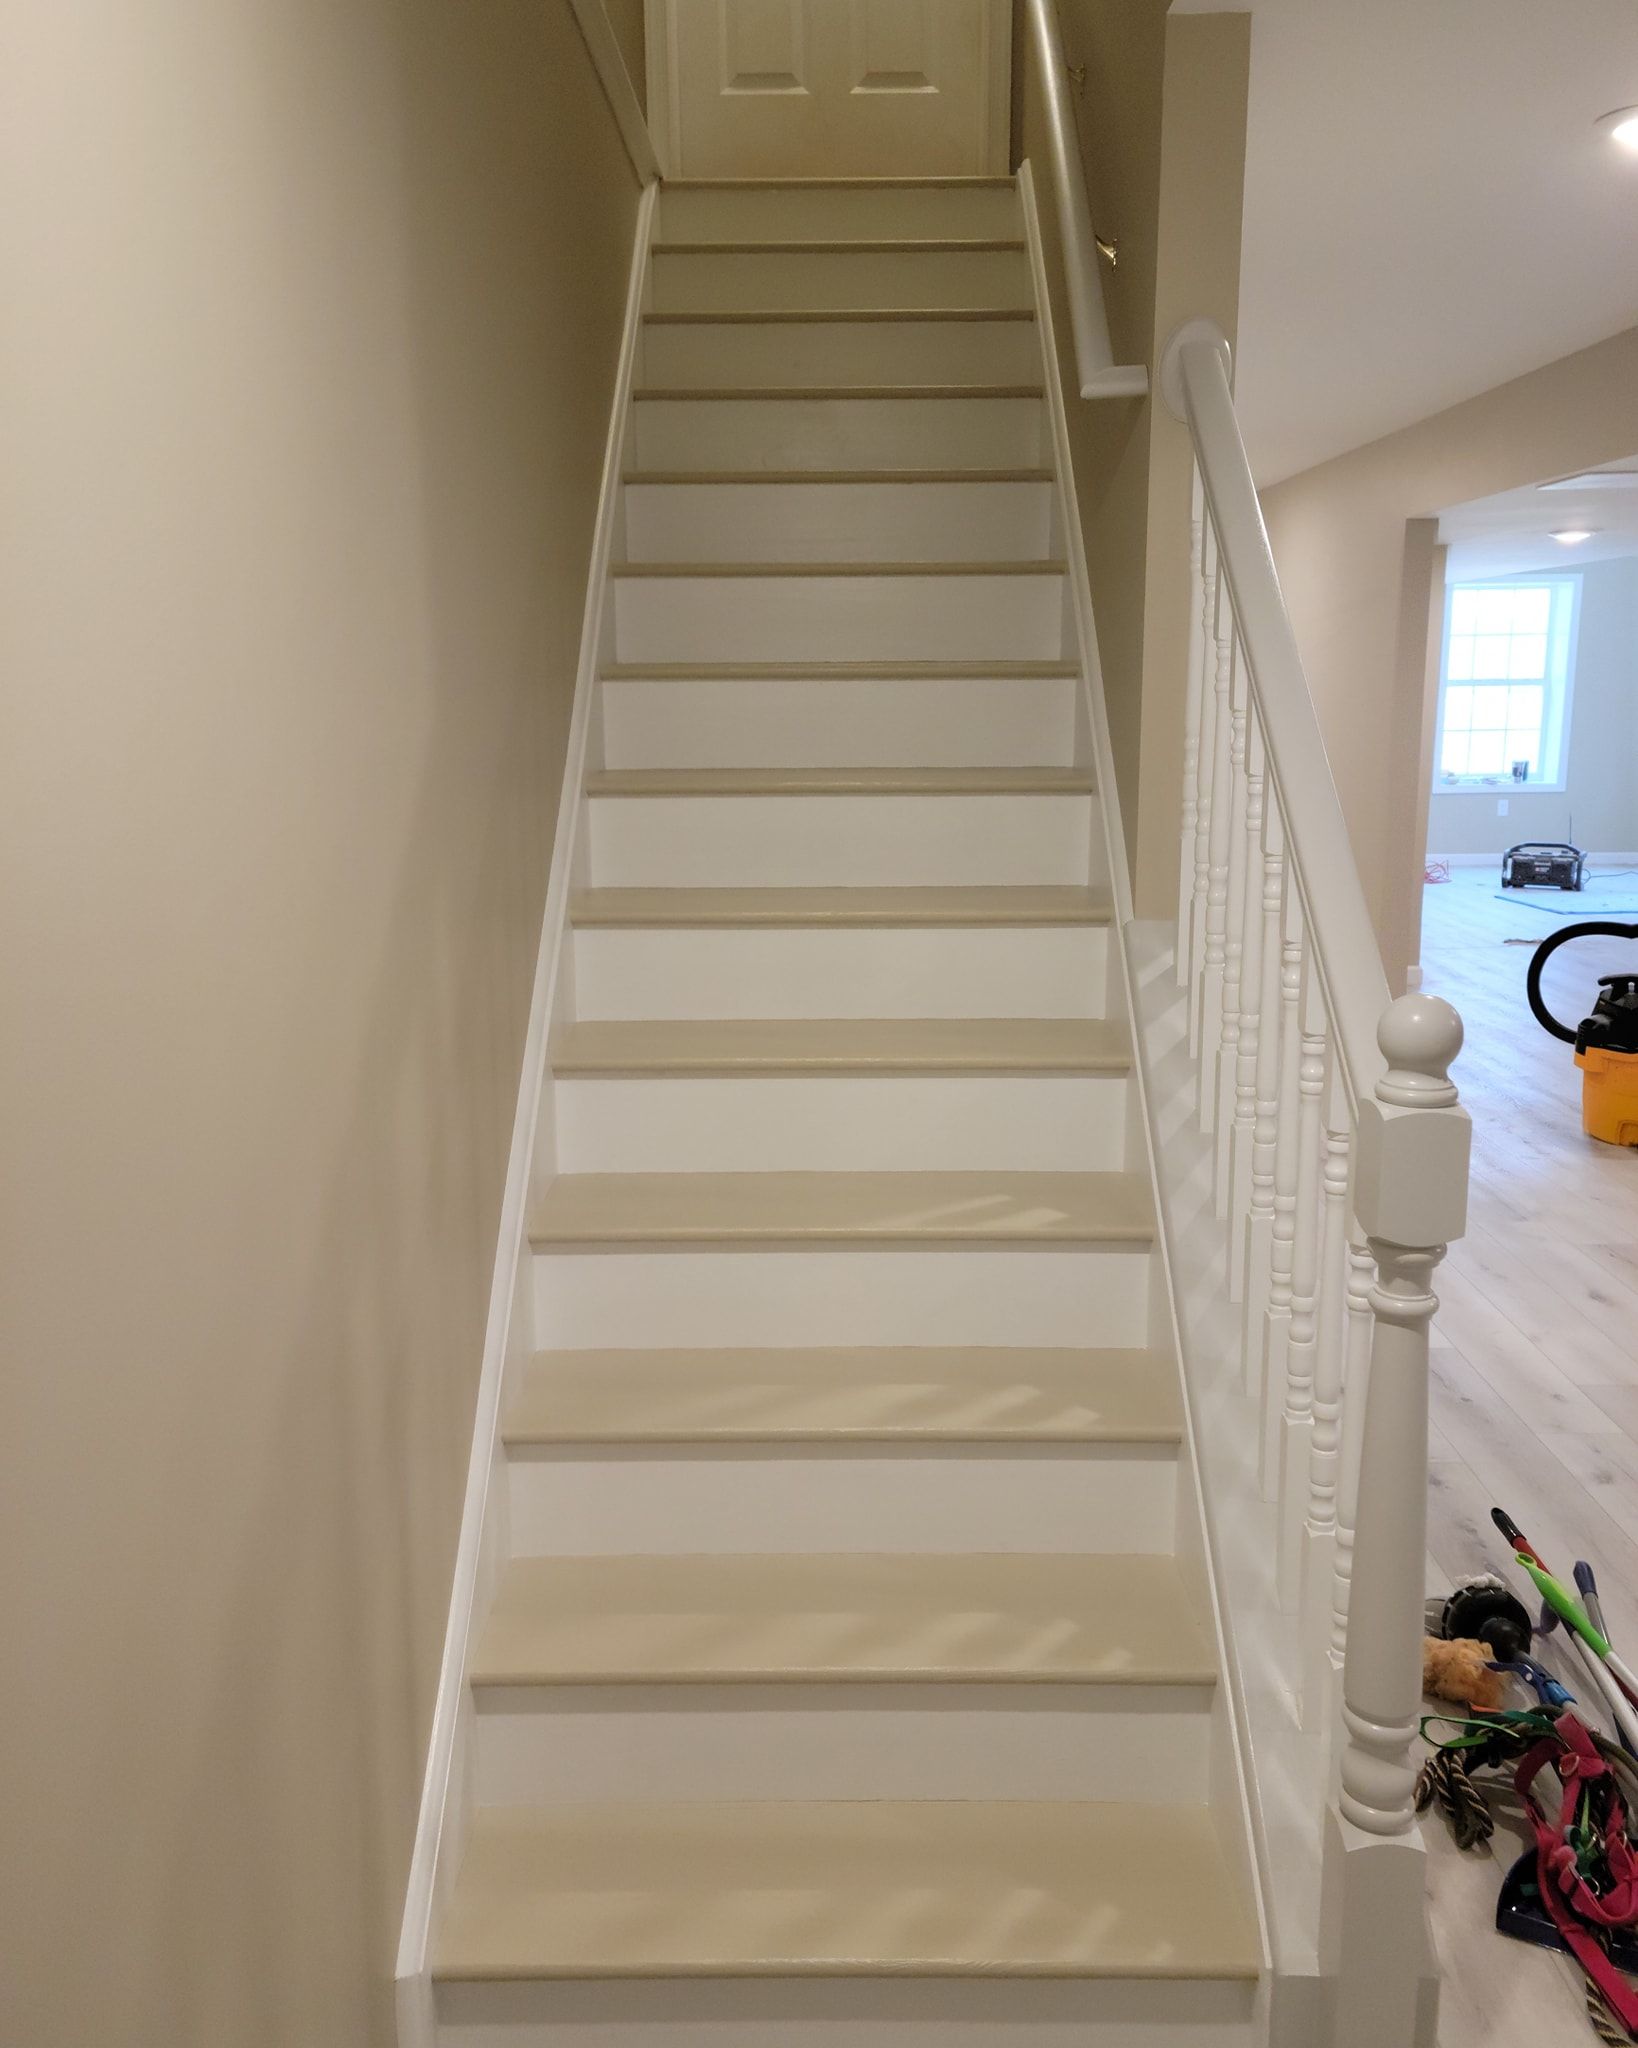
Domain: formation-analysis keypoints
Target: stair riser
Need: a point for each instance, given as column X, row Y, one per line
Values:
column 783, row 352
column 802, row 280
column 840, row 1123
column 690, row 1499
column 545, row 1745
column 839, row 618
column 864, row 723
column 641, row 1298
column 964, row 2012
column 836, row 433
column 827, row 522
column 906, row 971
column 764, row 213
column 843, row 841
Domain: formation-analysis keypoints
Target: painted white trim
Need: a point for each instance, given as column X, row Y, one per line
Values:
column 627, row 109
column 440, row 1790
column 1080, row 589
column 998, row 89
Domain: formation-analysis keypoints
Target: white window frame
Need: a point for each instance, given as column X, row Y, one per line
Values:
column 1563, row 632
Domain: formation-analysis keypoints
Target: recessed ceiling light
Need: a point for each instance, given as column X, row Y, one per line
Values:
column 1621, row 126
column 1572, row 536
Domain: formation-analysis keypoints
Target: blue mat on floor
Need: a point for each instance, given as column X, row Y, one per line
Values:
column 1566, row 903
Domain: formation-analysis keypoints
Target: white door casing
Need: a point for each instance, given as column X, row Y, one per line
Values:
column 830, row 88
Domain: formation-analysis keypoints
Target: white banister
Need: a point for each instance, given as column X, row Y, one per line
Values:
column 1195, row 383
column 1325, row 1442
column 1100, row 375
column 1209, row 1004
column 1252, row 913
column 1195, row 937
column 1337, row 1154
column 1191, row 741
column 1228, row 1051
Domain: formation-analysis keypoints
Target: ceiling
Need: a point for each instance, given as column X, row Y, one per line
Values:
column 1429, row 208
column 1512, row 532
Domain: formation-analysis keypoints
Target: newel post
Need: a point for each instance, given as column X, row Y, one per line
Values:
column 1410, row 1200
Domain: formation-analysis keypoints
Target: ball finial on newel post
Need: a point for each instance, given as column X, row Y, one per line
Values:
column 1419, row 1036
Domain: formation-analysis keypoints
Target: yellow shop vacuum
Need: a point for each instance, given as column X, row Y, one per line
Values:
column 1606, row 1043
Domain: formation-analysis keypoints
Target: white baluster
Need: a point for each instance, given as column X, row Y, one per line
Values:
column 1251, row 1004
column 1193, row 684
column 1411, row 1188
column 1324, row 1445
column 1222, row 818
column 1207, row 759
column 1228, row 1050
column 1302, row 1333
column 1265, row 1121
column 1283, row 1237
column 1356, row 1382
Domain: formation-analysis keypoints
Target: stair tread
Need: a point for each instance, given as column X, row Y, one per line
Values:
column 661, row 571
column 838, row 476
column 788, row 316
column 858, row 183
column 843, row 1208
column 845, row 245
column 819, row 671
column 1040, row 904
column 671, row 393
column 843, row 1045
column 877, row 1394
column 1019, row 781
column 851, row 1616
column 847, row 1888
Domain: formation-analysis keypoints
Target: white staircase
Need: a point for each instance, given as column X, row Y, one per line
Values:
column 845, row 1672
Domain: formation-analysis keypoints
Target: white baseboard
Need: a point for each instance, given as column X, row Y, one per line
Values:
column 606, row 55
column 1080, row 588
column 1493, row 860
column 442, row 1789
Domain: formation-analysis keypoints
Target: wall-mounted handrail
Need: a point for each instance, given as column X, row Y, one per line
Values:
column 1100, row 375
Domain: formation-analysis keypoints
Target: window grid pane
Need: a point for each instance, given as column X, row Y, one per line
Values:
column 1496, row 664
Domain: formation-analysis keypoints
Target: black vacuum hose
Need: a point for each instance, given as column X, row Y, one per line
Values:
column 1550, row 945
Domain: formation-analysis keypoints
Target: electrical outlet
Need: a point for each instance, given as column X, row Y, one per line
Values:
column 1501, row 807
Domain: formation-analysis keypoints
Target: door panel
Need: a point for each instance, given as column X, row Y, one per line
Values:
column 763, row 46
column 832, row 88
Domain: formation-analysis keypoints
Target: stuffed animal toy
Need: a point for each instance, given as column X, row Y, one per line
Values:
column 1459, row 1671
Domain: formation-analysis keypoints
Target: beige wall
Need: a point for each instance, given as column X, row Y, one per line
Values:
column 1162, row 129
column 1202, row 189
column 1348, row 553
column 627, row 19
column 312, row 308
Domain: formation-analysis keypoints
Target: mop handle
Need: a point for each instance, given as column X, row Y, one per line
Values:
column 1565, row 1605
column 1615, row 1702
column 1587, row 1586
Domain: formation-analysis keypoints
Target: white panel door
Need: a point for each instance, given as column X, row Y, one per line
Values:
column 830, row 88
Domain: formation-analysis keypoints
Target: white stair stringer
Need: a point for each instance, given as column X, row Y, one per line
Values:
column 843, row 1671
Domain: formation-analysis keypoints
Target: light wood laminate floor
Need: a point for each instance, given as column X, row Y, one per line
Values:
column 1535, row 1371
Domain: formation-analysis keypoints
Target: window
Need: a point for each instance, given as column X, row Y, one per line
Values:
column 1505, row 683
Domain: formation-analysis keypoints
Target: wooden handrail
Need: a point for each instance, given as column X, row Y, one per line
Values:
column 1100, row 375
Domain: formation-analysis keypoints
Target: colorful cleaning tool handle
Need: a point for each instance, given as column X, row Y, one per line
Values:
column 1564, row 1604
column 1587, row 1586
